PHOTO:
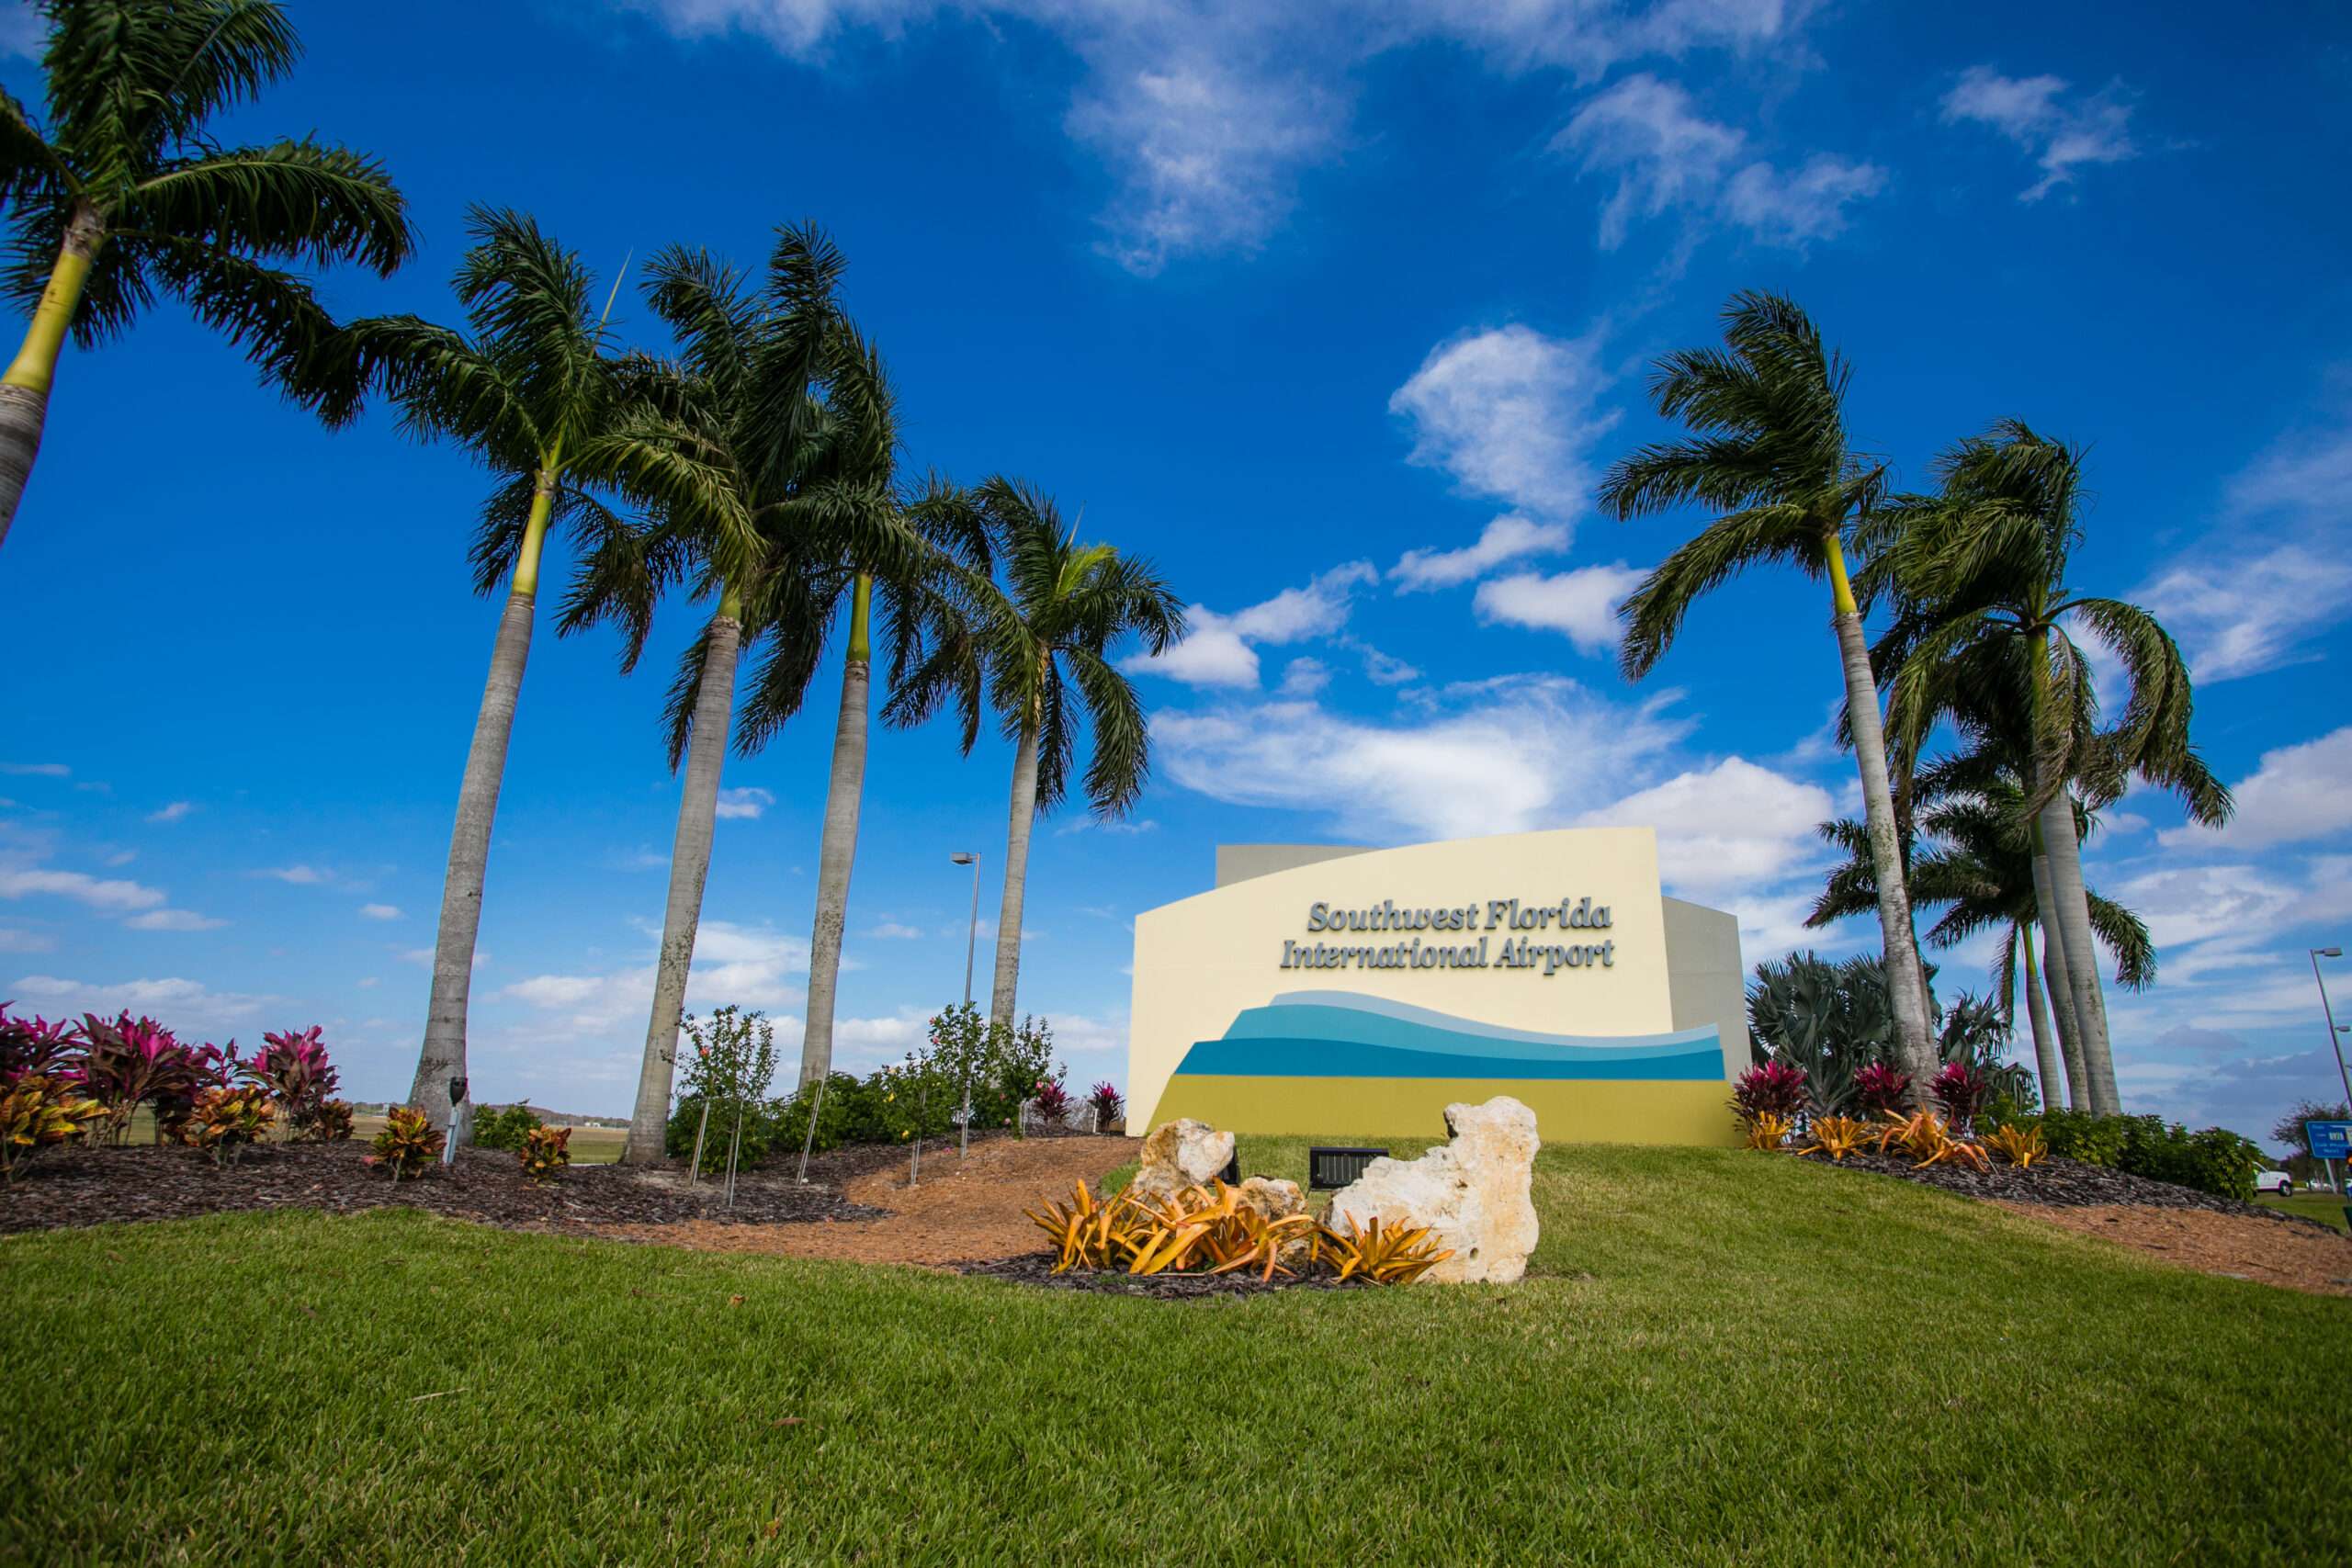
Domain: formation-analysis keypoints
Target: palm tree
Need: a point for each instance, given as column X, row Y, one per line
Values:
column 123, row 195
column 755, row 456
column 1983, row 636
column 526, row 393
column 1978, row 866
column 1771, row 456
column 1044, row 643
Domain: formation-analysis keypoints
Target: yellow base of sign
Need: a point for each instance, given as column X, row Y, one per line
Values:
column 1577, row 1111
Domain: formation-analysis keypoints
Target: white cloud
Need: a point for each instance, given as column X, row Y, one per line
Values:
column 1580, row 604
column 1382, row 669
column 1725, row 829
column 299, row 875
column 747, row 965
column 172, row 813
column 1493, row 757
column 15, row 939
column 380, row 912
column 1506, row 539
column 2261, row 611
column 172, row 920
column 1304, row 678
column 186, row 1006
column 1220, row 649
column 1807, row 203
column 36, row 769
column 1207, row 112
column 1666, row 156
column 2037, row 114
column 1510, row 413
column 107, row 893
column 746, row 803
column 2298, row 793
column 892, row 930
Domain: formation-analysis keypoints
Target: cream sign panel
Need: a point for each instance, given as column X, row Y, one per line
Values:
column 1555, row 931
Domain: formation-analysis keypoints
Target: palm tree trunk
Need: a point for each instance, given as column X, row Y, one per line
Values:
column 689, row 868
column 444, row 1053
column 2073, row 912
column 24, row 390
column 1016, row 876
column 2037, row 1012
column 2053, row 969
column 1905, row 984
column 838, row 851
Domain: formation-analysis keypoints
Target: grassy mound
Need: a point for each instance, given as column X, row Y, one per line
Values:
column 1720, row 1359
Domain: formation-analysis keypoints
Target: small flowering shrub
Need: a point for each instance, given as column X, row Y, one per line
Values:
column 223, row 1121
column 128, row 1062
column 409, row 1143
column 1768, row 1130
column 31, row 1047
column 544, row 1152
column 2020, row 1146
column 1960, row 1091
column 1838, row 1137
column 1881, row 1090
column 1108, row 1103
column 38, row 1112
column 1052, row 1102
column 1773, row 1089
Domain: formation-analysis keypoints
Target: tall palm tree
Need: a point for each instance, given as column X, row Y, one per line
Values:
column 1978, row 866
column 526, row 393
column 1043, row 642
column 1984, row 636
column 922, row 616
column 123, row 195
column 755, row 455
column 1771, row 456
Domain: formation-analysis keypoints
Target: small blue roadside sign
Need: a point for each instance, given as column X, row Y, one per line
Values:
column 2329, row 1140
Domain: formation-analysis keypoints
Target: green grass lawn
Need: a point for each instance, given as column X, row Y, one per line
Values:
column 2323, row 1206
column 1720, row 1359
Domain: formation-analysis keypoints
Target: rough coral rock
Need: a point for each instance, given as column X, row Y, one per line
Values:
column 1180, row 1154
column 1474, row 1194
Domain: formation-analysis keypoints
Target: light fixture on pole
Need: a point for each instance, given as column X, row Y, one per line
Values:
column 2332, row 1040
column 971, row 946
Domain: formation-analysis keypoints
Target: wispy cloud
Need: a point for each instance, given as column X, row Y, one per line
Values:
column 743, row 804
column 97, row 892
column 1511, row 415
column 299, row 875
column 2297, row 794
column 1666, row 157
column 380, row 912
column 1506, row 539
column 36, row 769
column 1222, row 649
column 172, row 920
column 2065, row 131
column 172, row 813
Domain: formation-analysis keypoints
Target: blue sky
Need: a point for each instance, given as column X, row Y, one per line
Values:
column 1334, row 311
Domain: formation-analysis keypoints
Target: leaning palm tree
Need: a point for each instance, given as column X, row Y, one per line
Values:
column 1977, row 865
column 1043, row 641
column 123, row 195
column 526, row 393
column 1984, row 636
column 1770, row 457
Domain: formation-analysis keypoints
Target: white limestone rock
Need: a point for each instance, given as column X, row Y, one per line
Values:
column 1180, row 1154
column 1474, row 1194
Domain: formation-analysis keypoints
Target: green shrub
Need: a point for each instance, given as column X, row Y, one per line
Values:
column 408, row 1145
column 507, row 1128
column 2216, row 1161
column 544, row 1152
column 762, row 1136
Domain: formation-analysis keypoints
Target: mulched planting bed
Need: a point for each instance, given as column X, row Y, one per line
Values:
column 1037, row 1268
column 90, row 1187
column 2062, row 1184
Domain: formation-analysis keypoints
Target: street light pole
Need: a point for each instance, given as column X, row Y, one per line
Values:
column 2318, row 954
column 971, row 947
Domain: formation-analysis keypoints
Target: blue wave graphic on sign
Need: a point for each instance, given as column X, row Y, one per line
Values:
column 1343, row 1034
